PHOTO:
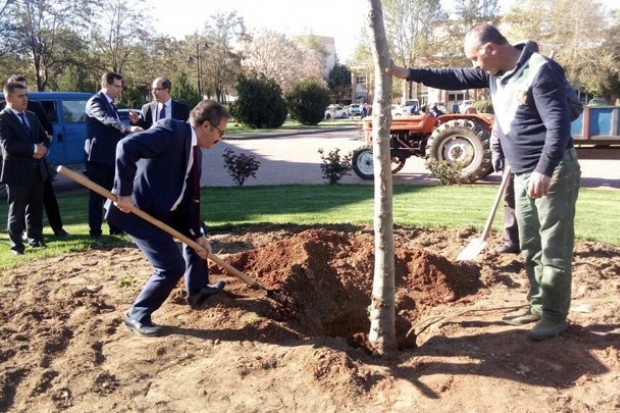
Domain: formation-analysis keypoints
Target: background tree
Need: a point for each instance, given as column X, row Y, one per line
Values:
column 307, row 102
column 6, row 41
column 182, row 90
column 115, row 31
column 222, row 63
column 278, row 57
column 413, row 35
column 575, row 29
column 260, row 103
column 339, row 81
column 47, row 31
column 382, row 333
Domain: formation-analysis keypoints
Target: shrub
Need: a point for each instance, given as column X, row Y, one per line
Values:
column 334, row 165
column 483, row 106
column 448, row 172
column 260, row 103
column 307, row 102
column 240, row 167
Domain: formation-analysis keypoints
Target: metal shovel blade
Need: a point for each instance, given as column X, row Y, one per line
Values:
column 475, row 247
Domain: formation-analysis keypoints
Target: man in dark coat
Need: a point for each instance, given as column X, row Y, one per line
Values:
column 162, row 106
column 158, row 171
column 24, row 144
column 103, row 131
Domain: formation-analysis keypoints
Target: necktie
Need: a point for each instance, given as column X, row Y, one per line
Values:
column 162, row 112
column 25, row 126
column 114, row 110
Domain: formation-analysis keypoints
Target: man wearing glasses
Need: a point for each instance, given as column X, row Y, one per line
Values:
column 103, row 131
column 162, row 106
column 159, row 171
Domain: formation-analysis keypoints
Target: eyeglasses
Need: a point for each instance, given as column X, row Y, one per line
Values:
column 221, row 131
column 116, row 86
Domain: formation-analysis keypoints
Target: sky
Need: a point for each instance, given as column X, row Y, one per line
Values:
column 340, row 19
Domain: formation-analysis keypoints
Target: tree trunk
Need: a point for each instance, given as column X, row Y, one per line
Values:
column 382, row 312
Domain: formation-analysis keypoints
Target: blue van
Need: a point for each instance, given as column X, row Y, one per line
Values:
column 66, row 112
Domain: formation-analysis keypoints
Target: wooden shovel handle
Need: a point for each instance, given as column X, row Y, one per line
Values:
column 496, row 201
column 82, row 180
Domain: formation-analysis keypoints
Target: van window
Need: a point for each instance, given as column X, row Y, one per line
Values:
column 50, row 110
column 74, row 111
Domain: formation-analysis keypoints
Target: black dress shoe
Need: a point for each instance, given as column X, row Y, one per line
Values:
column 149, row 330
column 17, row 252
column 508, row 249
column 38, row 243
column 196, row 300
column 61, row 233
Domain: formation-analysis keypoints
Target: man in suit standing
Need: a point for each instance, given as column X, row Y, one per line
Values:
column 103, row 131
column 49, row 197
column 159, row 170
column 162, row 106
column 24, row 144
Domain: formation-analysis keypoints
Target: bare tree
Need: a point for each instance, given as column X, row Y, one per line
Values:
column 382, row 333
column 47, row 31
column 116, row 32
column 6, row 41
column 280, row 58
column 222, row 64
column 413, row 32
column 574, row 29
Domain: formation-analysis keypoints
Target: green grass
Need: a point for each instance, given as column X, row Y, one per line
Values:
column 413, row 206
column 235, row 128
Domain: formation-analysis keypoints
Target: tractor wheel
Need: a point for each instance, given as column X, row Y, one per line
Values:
column 362, row 162
column 464, row 141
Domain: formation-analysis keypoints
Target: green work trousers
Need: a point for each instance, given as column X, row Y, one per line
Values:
column 547, row 238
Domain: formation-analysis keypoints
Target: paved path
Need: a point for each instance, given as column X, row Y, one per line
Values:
column 293, row 158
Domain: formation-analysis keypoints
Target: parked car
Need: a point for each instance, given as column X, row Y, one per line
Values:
column 440, row 105
column 465, row 105
column 409, row 103
column 123, row 114
column 398, row 110
column 355, row 109
column 336, row 111
column 598, row 102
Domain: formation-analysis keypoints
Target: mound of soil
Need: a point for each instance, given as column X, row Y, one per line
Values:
column 305, row 348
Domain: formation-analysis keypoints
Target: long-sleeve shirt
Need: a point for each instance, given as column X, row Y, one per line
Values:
column 530, row 108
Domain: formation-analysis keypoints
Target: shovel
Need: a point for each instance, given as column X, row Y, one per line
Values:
column 477, row 245
column 173, row 232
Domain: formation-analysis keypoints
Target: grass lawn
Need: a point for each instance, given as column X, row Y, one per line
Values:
column 413, row 206
column 235, row 128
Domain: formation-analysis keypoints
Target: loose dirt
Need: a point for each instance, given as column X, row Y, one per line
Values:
column 63, row 346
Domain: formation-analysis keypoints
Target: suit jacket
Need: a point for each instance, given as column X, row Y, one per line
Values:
column 37, row 109
column 151, row 166
column 103, row 130
column 18, row 148
column 180, row 111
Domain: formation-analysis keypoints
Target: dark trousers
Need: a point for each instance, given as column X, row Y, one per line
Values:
column 511, row 228
column 25, row 204
column 51, row 205
column 102, row 175
column 169, row 262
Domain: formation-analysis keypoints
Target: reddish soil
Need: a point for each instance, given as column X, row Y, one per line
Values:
column 63, row 346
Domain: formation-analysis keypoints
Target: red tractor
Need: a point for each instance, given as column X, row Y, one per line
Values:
column 460, row 138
